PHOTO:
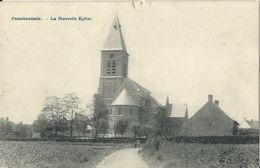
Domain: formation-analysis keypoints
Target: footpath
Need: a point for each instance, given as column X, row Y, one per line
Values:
column 125, row 158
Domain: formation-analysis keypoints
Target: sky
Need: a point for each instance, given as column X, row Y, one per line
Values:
column 185, row 50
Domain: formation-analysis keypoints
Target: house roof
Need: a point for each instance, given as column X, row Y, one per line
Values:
column 80, row 117
column 208, row 109
column 243, row 124
column 124, row 98
column 115, row 40
column 253, row 124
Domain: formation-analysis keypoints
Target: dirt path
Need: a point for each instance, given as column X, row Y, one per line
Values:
column 125, row 158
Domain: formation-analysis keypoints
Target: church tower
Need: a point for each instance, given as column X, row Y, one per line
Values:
column 114, row 63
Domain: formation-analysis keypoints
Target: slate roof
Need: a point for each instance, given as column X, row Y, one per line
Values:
column 115, row 40
column 136, row 91
column 208, row 109
column 124, row 98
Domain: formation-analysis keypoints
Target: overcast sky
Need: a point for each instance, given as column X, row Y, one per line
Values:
column 186, row 50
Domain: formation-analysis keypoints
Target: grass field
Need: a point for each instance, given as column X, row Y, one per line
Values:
column 53, row 154
column 188, row 155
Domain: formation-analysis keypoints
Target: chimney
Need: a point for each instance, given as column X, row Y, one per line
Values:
column 210, row 98
column 217, row 102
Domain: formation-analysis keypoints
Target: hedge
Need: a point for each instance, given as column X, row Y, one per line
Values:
column 92, row 140
column 236, row 139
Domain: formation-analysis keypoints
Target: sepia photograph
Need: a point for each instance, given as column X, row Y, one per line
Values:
column 129, row 84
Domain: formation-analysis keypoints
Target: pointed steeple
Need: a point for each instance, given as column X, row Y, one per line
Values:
column 186, row 112
column 167, row 100
column 168, row 107
column 115, row 39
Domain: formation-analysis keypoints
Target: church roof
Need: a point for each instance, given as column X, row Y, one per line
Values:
column 115, row 40
column 124, row 98
column 178, row 110
column 137, row 90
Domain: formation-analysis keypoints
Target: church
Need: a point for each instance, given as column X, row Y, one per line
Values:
column 120, row 96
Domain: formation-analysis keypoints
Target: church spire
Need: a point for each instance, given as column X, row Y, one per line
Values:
column 115, row 39
column 186, row 112
column 167, row 100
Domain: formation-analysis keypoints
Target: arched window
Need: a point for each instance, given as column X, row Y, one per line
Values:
column 108, row 67
column 113, row 67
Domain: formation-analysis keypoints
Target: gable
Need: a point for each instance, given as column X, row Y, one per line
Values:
column 210, row 113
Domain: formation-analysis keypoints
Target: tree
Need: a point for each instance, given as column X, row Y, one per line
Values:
column 42, row 125
column 55, row 112
column 155, row 125
column 20, row 130
column 81, row 122
column 100, row 116
column 102, row 127
column 6, row 126
column 121, row 126
column 136, row 130
column 71, row 102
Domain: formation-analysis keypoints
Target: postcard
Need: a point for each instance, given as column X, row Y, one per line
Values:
column 129, row 84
